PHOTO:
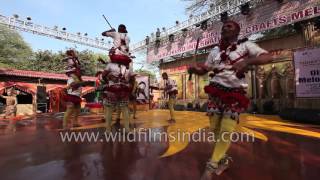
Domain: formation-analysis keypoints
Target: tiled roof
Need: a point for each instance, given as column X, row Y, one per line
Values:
column 38, row 74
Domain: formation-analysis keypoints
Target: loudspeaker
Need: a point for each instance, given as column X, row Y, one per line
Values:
column 309, row 116
column 41, row 94
column 268, row 107
column 204, row 107
column 190, row 107
column 224, row 16
column 245, row 8
column 179, row 107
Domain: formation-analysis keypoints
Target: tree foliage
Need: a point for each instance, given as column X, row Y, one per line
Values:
column 15, row 53
column 146, row 72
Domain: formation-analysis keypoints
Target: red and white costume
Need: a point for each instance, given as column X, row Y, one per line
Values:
column 73, row 70
column 117, row 84
column 119, row 53
column 171, row 88
column 73, row 94
column 120, row 42
column 73, row 66
column 117, row 74
column 227, row 88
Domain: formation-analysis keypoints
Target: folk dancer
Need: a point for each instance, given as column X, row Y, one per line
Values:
column 170, row 89
column 226, row 90
column 73, row 89
column 117, row 76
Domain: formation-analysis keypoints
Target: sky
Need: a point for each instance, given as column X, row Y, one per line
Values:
column 140, row 16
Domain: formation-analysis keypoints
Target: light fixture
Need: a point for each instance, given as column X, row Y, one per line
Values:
column 64, row 28
column 171, row 38
column 204, row 25
column 29, row 18
column 147, row 40
column 211, row 6
column 158, row 33
column 245, row 8
column 184, row 32
column 224, row 16
column 16, row 16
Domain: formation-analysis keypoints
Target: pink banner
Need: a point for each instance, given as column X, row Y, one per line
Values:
column 268, row 15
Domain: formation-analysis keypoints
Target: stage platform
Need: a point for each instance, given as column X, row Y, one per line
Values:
column 33, row 148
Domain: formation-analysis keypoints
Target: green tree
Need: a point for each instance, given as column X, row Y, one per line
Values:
column 47, row 61
column 146, row 72
column 89, row 61
column 14, row 51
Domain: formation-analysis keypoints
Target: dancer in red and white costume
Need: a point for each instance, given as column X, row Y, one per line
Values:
column 229, row 62
column 170, row 89
column 117, row 77
column 73, row 89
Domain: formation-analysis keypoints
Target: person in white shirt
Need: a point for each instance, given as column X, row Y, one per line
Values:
column 121, row 39
column 228, row 61
column 73, row 89
column 171, row 89
column 116, row 90
column 119, row 53
column 117, row 77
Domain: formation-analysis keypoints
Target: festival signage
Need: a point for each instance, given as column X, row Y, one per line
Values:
column 142, row 91
column 175, row 70
column 307, row 72
column 269, row 15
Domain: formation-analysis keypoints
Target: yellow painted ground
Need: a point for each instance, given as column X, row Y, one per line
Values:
column 187, row 121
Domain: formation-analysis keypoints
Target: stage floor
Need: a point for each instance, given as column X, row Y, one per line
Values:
column 34, row 149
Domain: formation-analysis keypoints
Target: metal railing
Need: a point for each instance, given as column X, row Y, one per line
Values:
column 29, row 26
column 232, row 7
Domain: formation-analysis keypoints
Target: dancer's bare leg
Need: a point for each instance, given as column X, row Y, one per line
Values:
column 171, row 104
column 118, row 116
column 134, row 104
column 76, row 113
column 108, row 116
column 126, row 117
column 67, row 115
